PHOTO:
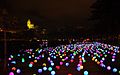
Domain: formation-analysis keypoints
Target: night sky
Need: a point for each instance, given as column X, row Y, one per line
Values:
column 52, row 12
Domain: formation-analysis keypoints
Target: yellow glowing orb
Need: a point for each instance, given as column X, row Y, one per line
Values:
column 29, row 25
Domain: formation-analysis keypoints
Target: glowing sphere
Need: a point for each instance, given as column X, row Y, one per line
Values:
column 52, row 72
column 52, row 64
column 113, row 57
column 69, row 74
column 32, row 55
column 78, row 65
column 13, row 62
column 103, row 59
column 54, row 57
column 29, row 57
column 39, row 70
column 78, row 68
column 35, row 61
column 113, row 60
column 50, row 69
column 61, row 63
column 57, row 67
column 44, row 68
column 60, row 56
column 85, row 72
column 11, row 73
column 95, row 60
column 18, row 55
column 63, row 59
column 119, row 72
column 81, row 67
column 114, row 70
column 108, row 68
column 71, row 61
column 18, row 71
column 14, row 68
column 84, row 61
column 44, row 64
column 30, row 65
column 67, row 64
column 9, row 59
column 23, row 60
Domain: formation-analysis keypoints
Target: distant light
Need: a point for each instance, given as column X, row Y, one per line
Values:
column 113, row 60
column 29, row 57
column 18, row 55
column 18, row 71
column 57, row 67
column 44, row 68
column 108, row 68
column 14, row 68
column 61, row 63
column 67, row 64
column 81, row 67
column 39, row 70
column 85, row 72
column 50, row 69
column 30, row 65
column 52, row 64
column 52, row 72
column 29, row 25
column 23, row 60
column 114, row 70
column 78, row 68
column 69, row 74
column 11, row 73
column 13, row 62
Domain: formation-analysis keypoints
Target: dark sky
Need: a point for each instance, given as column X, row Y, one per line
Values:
column 74, row 12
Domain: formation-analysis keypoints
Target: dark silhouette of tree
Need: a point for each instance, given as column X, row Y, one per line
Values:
column 105, row 15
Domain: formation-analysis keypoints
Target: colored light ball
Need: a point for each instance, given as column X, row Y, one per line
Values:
column 30, row 65
column 113, row 60
column 18, row 71
column 61, row 63
column 78, row 65
column 69, row 74
column 52, row 64
column 85, row 72
column 52, row 72
column 108, row 68
column 39, row 70
column 71, row 61
column 119, row 72
column 35, row 61
column 50, row 69
column 57, row 67
column 114, row 69
column 67, row 64
column 81, row 67
column 14, row 68
column 113, row 57
column 29, row 57
column 78, row 68
column 44, row 68
column 84, row 61
column 11, row 73
column 44, row 64
column 18, row 55
column 9, row 59
column 23, row 60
